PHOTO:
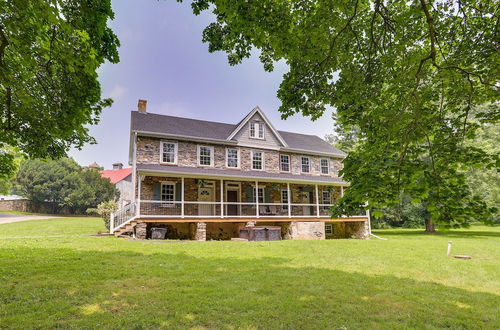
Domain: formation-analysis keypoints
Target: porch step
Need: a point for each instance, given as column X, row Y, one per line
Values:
column 128, row 227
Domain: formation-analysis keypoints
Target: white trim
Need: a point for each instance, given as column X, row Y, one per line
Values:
column 331, row 228
column 308, row 161
column 134, row 166
column 327, row 166
column 248, row 117
column 176, row 149
column 238, row 155
column 182, row 197
column 237, row 188
column 317, row 200
column 287, row 199
column 289, row 163
column 212, row 155
column 162, row 183
column 262, row 160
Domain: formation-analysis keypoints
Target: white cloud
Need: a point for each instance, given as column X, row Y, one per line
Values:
column 118, row 92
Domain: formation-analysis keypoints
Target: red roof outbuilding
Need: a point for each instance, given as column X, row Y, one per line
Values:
column 116, row 175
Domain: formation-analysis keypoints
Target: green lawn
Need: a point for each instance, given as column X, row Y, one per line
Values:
column 93, row 282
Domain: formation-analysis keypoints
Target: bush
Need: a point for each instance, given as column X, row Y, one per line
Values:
column 104, row 210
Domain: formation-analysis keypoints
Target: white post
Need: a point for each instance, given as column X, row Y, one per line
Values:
column 317, row 201
column 111, row 222
column 182, row 197
column 257, row 198
column 134, row 165
column 138, row 210
column 289, row 199
column 341, row 191
column 448, row 253
column 222, row 198
column 369, row 221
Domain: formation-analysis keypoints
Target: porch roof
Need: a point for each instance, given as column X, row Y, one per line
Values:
column 236, row 174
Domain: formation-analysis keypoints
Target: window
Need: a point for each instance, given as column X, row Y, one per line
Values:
column 232, row 158
column 325, row 166
column 284, row 200
column 257, row 130
column 168, row 152
column 328, row 229
column 205, row 156
column 167, row 192
column 257, row 160
column 285, row 163
column 326, row 199
column 306, row 168
column 261, row 194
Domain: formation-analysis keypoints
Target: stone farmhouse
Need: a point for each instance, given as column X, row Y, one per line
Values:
column 205, row 180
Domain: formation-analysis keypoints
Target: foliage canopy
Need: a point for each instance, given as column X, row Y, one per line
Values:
column 49, row 92
column 406, row 73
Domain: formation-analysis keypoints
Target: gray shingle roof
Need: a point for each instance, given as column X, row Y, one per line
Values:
column 163, row 124
column 230, row 173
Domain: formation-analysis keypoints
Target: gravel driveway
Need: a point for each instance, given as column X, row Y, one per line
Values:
column 8, row 217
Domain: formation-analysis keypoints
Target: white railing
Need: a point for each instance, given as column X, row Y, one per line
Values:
column 122, row 216
column 197, row 209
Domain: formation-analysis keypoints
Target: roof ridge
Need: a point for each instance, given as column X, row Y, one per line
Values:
column 203, row 120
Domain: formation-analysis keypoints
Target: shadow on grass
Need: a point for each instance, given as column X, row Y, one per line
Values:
column 128, row 289
column 440, row 233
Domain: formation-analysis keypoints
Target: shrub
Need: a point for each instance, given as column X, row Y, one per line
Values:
column 104, row 210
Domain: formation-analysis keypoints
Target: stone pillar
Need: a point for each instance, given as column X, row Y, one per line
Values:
column 251, row 224
column 198, row 231
column 362, row 231
column 141, row 230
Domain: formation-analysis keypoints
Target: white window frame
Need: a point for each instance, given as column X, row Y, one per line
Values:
column 283, row 201
column 259, row 189
column 262, row 161
column 308, row 164
column 212, row 151
column 238, row 160
column 328, row 228
column 258, row 126
column 169, row 203
column 176, row 148
column 327, row 165
column 323, row 198
column 289, row 163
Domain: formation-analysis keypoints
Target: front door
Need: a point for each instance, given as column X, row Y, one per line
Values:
column 232, row 197
column 306, row 200
column 206, row 194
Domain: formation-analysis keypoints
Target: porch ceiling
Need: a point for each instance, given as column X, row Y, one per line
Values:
column 196, row 172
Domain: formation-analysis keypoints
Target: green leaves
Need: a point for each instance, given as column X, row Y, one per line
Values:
column 409, row 76
column 49, row 54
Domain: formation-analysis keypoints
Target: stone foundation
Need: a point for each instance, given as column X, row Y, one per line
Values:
column 359, row 230
column 141, row 231
column 305, row 230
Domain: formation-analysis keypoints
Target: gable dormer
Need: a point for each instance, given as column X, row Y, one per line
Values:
column 257, row 131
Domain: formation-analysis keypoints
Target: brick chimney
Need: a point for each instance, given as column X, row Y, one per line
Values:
column 141, row 106
column 117, row 166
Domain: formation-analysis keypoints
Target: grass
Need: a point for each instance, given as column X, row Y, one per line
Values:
column 89, row 282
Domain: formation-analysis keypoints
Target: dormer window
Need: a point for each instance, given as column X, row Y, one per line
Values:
column 257, row 130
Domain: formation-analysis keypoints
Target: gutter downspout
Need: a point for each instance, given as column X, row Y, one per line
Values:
column 134, row 166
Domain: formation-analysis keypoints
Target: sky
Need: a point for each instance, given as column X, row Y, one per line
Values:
column 163, row 60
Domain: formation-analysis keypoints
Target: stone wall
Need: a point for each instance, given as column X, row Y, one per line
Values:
column 148, row 152
column 358, row 229
column 22, row 205
column 304, row 230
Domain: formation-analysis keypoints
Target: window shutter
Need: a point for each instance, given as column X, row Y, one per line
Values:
column 156, row 191
column 178, row 191
column 267, row 196
column 249, row 193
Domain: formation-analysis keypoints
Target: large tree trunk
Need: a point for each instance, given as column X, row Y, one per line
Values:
column 429, row 226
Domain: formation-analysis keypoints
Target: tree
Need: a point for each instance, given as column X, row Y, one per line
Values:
column 49, row 92
column 406, row 73
column 63, row 184
column 11, row 158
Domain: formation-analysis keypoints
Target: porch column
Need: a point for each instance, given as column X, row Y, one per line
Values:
column 222, row 198
column 257, row 198
column 139, row 185
column 317, row 201
column 341, row 191
column 289, row 194
column 182, row 197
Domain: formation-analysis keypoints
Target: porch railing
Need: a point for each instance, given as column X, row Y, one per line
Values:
column 197, row 209
column 122, row 216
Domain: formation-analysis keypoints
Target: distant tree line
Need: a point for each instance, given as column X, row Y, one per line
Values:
column 61, row 186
